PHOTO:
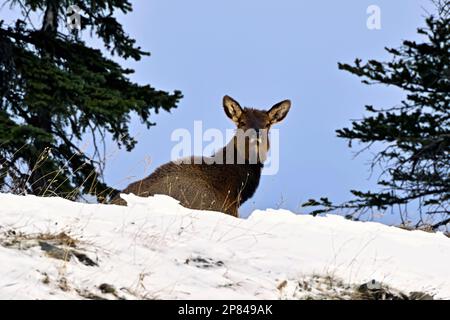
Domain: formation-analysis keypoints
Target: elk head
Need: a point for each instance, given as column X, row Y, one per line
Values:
column 251, row 140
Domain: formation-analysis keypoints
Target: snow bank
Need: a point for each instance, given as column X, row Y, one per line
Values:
column 156, row 249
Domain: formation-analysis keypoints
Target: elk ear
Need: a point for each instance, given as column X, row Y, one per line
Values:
column 232, row 109
column 279, row 111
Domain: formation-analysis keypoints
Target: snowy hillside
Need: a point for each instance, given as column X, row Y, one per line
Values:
column 52, row 248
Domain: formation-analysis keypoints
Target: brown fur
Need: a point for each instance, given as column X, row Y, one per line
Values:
column 219, row 187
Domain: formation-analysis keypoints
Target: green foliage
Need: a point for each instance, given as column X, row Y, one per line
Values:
column 56, row 90
column 415, row 134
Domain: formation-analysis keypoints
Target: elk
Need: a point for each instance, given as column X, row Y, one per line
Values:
column 227, row 179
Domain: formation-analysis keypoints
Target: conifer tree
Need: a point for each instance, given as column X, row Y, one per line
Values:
column 56, row 90
column 414, row 136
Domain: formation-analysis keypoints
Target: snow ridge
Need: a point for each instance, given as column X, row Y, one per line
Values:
column 51, row 248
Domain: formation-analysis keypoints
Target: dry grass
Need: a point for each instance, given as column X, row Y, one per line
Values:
column 319, row 287
column 54, row 180
column 425, row 228
column 12, row 238
column 58, row 245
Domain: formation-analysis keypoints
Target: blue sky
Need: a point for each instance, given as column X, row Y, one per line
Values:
column 261, row 52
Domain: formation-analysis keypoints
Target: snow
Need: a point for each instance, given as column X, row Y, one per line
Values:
column 156, row 249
